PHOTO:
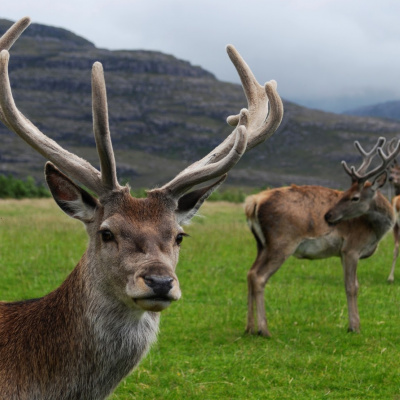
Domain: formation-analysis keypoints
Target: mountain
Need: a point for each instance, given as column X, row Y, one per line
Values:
column 388, row 110
column 164, row 114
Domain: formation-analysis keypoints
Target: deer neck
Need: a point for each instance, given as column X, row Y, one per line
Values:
column 116, row 335
column 380, row 215
column 92, row 341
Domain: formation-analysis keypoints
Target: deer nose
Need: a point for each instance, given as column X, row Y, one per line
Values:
column 161, row 285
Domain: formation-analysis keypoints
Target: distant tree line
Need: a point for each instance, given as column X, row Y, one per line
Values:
column 13, row 188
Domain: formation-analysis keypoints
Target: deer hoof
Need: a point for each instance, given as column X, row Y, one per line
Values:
column 353, row 330
column 249, row 331
column 264, row 333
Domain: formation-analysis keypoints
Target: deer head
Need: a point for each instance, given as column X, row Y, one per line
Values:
column 357, row 200
column 134, row 243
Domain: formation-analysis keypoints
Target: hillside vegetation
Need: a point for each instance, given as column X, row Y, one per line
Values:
column 164, row 114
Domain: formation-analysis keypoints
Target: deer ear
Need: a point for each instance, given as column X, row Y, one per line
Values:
column 379, row 181
column 73, row 200
column 189, row 204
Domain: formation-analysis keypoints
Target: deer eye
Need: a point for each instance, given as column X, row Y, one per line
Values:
column 106, row 235
column 355, row 198
column 179, row 238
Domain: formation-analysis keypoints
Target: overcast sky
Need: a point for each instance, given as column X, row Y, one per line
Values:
column 326, row 54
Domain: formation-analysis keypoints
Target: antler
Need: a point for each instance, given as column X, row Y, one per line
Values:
column 13, row 33
column 390, row 147
column 101, row 129
column 361, row 175
column 71, row 164
column 367, row 157
column 253, row 126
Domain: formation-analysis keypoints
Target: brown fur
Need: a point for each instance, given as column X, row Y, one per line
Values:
column 394, row 179
column 65, row 345
column 292, row 221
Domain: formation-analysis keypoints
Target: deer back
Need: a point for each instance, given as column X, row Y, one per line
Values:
column 292, row 211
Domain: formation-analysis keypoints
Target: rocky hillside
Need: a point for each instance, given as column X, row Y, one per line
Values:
column 164, row 114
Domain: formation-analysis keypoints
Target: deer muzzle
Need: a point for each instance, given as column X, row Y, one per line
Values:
column 155, row 292
column 330, row 219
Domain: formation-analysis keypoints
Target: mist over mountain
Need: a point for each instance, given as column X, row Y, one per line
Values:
column 164, row 114
column 388, row 110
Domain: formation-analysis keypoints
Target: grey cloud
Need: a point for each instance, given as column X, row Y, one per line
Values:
column 321, row 52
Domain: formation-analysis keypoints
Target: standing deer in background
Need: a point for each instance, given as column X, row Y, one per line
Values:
column 80, row 340
column 394, row 179
column 315, row 222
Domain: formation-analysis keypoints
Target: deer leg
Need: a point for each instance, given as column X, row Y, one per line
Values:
column 251, row 288
column 250, row 303
column 263, row 268
column 396, row 235
column 349, row 262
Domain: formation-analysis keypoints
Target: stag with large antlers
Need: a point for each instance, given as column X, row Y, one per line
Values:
column 315, row 222
column 80, row 340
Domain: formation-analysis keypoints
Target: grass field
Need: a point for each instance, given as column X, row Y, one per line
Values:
column 202, row 351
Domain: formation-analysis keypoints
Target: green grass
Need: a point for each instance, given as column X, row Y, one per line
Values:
column 202, row 351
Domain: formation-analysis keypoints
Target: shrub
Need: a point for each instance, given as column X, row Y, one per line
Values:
column 11, row 187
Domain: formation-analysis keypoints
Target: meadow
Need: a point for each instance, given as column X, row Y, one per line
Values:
column 202, row 351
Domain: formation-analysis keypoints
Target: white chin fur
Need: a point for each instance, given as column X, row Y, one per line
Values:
column 152, row 304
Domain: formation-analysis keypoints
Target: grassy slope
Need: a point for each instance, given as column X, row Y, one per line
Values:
column 202, row 352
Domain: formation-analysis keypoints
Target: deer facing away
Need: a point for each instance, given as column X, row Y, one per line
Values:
column 80, row 340
column 315, row 222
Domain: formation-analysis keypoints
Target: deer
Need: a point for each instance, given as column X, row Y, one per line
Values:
column 315, row 222
column 394, row 179
column 80, row 340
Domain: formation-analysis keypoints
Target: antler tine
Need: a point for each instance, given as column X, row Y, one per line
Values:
column 101, row 129
column 262, row 124
column 390, row 147
column 194, row 176
column 74, row 166
column 367, row 157
column 347, row 169
column 6, row 42
column 386, row 160
column 13, row 33
column 257, row 122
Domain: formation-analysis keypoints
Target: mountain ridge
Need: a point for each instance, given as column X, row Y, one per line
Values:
column 388, row 110
column 164, row 114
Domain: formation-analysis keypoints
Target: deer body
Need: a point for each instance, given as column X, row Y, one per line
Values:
column 79, row 341
column 314, row 222
column 310, row 235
